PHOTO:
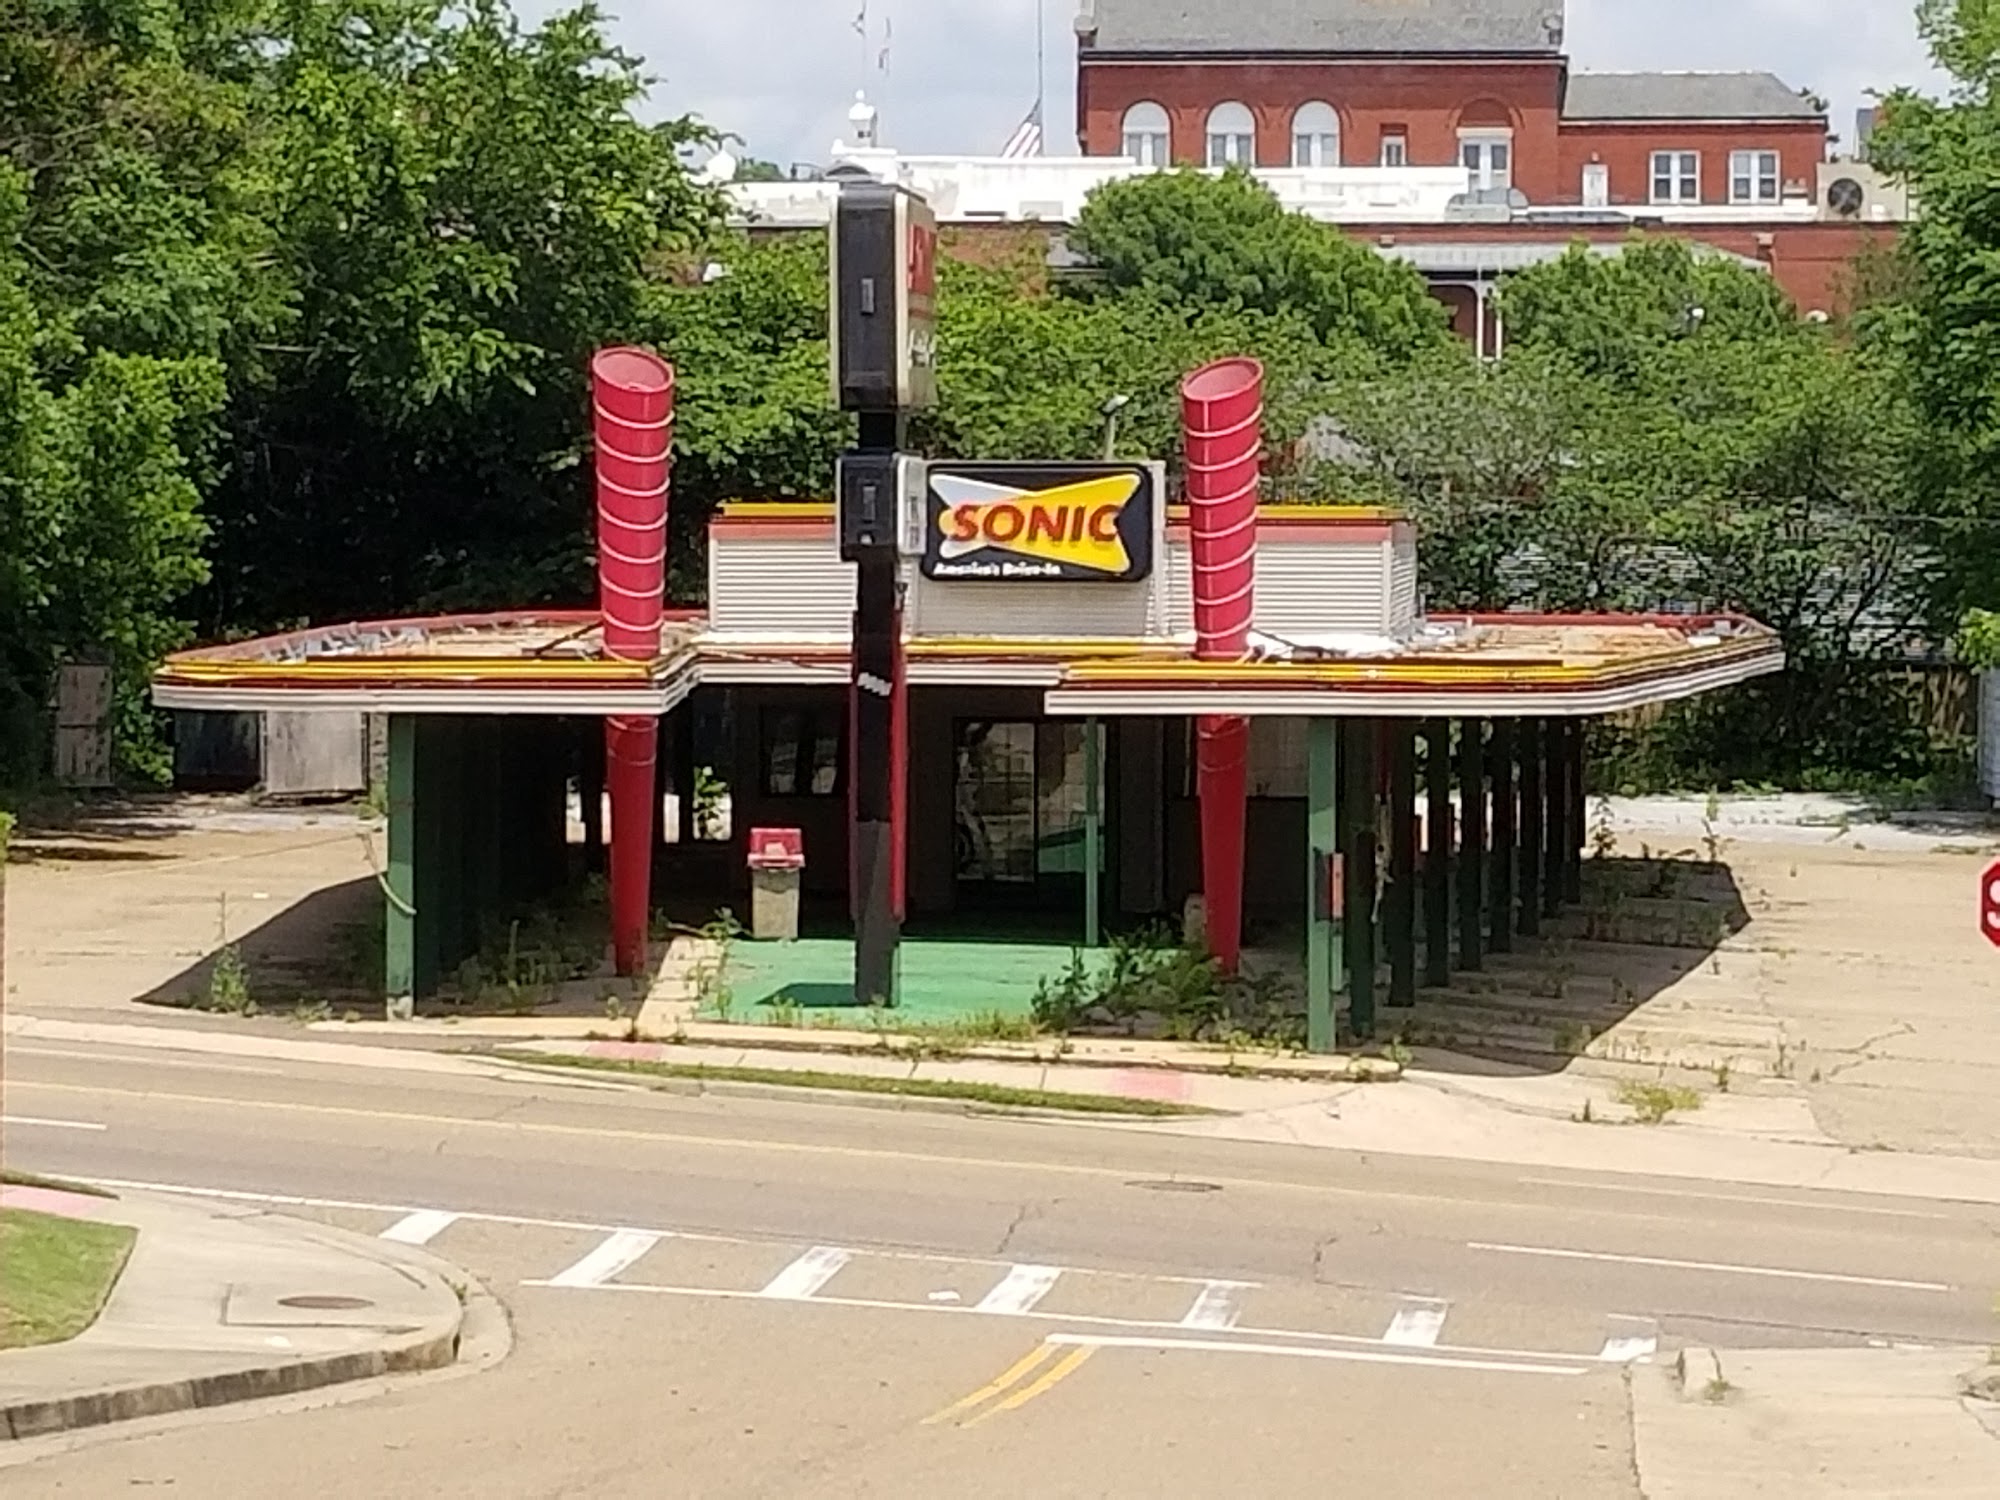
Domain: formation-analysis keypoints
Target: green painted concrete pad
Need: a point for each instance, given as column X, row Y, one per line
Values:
column 938, row 981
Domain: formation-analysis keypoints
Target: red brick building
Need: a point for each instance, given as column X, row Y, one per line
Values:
column 1738, row 161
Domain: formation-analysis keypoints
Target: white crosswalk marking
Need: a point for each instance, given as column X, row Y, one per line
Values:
column 612, row 1255
column 419, row 1228
column 1630, row 1340
column 1417, row 1324
column 1020, row 1289
column 1627, row 1351
column 1218, row 1305
column 807, row 1274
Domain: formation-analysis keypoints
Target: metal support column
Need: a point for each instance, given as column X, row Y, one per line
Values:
column 1579, row 814
column 399, row 886
column 1322, row 846
column 1400, row 913
column 1506, row 820
column 1472, row 843
column 1555, row 799
column 1533, row 834
column 876, row 759
column 1437, row 857
column 1093, row 833
column 1361, row 827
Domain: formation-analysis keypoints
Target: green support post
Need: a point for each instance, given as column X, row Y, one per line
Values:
column 428, row 876
column 399, row 887
column 1322, row 844
column 1093, row 835
column 1555, row 799
column 1361, row 824
column 1506, row 819
column 1533, row 840
column 1472, row 844
column 1400, row 915
column 1437, row 861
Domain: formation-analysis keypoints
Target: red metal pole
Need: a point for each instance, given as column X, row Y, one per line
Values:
column 633, row 400
column 1222, row 410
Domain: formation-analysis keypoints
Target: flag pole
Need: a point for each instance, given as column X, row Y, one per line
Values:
column 1042, row 73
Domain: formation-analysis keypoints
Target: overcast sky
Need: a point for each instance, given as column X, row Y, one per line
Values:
column 961, row 73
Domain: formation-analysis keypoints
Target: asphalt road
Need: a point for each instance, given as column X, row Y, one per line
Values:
column 760, row 1297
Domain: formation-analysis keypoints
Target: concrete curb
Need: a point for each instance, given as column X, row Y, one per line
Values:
column 691, row 1044
column 432, row 1347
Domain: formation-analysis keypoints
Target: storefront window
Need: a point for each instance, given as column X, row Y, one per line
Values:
column 802, row 751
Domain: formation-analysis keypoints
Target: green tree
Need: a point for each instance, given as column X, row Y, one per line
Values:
column 1949, row 152
column 467, row 208
column 1195, row 241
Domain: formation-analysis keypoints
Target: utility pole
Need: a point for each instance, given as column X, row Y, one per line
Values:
column 884, row 298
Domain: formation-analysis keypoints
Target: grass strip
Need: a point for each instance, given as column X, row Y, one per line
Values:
column 57, row 1273
column 1000, row 1095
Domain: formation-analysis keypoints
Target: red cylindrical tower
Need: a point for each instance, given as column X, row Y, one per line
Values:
column 1222, row 416
column 632, row 395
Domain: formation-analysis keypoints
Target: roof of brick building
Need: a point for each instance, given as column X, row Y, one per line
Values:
column 1685, row 96
column 1324, row 26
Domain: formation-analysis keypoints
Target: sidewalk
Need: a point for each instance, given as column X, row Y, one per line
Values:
column 1814, row 1423
column 218, row 1304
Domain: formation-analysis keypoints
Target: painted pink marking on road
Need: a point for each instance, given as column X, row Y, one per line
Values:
column 1151, row 1083
column 53, row 1201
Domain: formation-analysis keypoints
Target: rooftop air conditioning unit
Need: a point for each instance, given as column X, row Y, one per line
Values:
column 1853, row 192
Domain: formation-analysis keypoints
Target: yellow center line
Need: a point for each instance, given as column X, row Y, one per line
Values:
column 1063, row 1368
column 1036, row 1356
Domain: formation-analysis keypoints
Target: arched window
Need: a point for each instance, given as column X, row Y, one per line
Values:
column 1232, row 136
column 1316, row 135
column 1147, row 138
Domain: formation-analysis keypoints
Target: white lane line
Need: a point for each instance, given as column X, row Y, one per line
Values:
column 1219, row 1306
column 421, row 1227
column 1019, row 1290
column 1417, row 1324
column 1654, row 1192
column 1445, row 1353
column 1713, row 1265
column 1357, row 1356
column 806, row 1275
column 16, row 1049
column 48, row 1124
column 612, row 1255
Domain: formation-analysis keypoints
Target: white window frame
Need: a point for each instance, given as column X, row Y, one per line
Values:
column 1485, row 142
column 1680, row 171
column 1316, row 135
column 1230, row 146
column 1146, row 134
column 1395, row 150
column 1747, row 172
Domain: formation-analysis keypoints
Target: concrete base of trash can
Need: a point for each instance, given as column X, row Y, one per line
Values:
column 774, row 905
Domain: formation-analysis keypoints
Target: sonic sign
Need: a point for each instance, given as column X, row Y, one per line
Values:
column 1041, row 522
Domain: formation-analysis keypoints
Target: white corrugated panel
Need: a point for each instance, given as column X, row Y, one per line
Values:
column 1989, row 733
column 1403, row 601
column 1315, row 587
column 778, row 584
column 1179, row 584
column 1121, row 611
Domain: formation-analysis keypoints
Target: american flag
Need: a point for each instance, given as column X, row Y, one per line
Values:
column 1027, row 137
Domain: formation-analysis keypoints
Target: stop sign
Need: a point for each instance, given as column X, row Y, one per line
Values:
column 1989, row 903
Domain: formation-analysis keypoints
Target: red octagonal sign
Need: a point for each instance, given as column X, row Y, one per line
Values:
column 1989, row 903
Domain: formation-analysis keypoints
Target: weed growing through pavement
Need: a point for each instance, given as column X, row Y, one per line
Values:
column 229, row 979
column 1653, row 1102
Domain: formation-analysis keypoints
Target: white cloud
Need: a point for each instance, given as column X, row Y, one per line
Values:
column 781, row 73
